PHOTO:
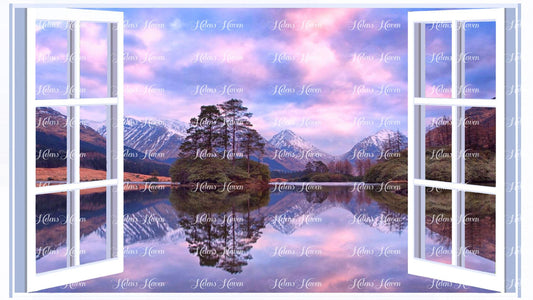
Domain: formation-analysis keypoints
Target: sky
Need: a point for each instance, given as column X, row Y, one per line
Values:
column 333, row 76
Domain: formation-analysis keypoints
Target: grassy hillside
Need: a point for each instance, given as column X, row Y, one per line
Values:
column 479, row 169
column 219, row 171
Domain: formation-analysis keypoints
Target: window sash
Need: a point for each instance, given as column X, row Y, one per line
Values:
column 455, row 102
column 470, row 188
column 77, row 102
column 114, row 149
column 416, row 168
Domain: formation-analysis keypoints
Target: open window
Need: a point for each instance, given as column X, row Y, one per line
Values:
column 452, row 120
column 50, row 222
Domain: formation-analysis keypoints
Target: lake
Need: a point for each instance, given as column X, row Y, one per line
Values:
column 290, row 238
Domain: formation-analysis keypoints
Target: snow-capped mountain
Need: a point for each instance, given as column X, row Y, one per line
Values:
column 289, row 147
column 287, row 139
column 159, row 139
column 285, row 151
column 377, row 145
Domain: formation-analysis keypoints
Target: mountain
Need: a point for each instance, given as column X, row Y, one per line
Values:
column 51, row 146
column 288, row 140
column 51, row 142
column 159, row 138
column 480, row 130
column 292, row 151
column 373, row 146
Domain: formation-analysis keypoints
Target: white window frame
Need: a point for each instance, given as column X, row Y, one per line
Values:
column 28, row 279
column 17, row 284
column 506, row 165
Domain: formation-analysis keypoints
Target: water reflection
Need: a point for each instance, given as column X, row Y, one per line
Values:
column 219, row 227
column 331, row 239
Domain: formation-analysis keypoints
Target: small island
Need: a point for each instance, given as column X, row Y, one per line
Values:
column 219, row 151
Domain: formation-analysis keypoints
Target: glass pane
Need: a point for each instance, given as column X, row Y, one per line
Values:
column 92, row 225
column 51, row 145
column 51, row 59
column 480, row 232
column 51, row 232
column 480, row 145
column 93, row 60
column 480, row 60
column 438, row 60
column 438, row 225
column 438, row 143
column 93, row 143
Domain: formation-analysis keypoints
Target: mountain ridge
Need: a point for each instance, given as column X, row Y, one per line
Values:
column 376, row 145
column 286, row 151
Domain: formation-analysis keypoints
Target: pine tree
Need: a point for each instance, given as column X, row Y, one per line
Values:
column 251, row 143
column 309, row 168
column 209, row 123
column 203, row 132
column 192, row 141
column 236, row 120
column 320, row 167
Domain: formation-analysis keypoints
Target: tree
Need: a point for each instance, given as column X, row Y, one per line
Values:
column 397, row 143
column 362, row 166
column 347, row 167
column 389, row 142
column 309, row 168
column 236, row 120
column 359, row 165
column 203, row 132
column 320, row 167
column 251, row 143
column 394, row 144
column 331, row 166
column 209, row 124
column 192, row 141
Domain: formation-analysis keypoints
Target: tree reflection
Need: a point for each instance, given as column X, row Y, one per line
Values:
column 221, row 228
column 218, row 226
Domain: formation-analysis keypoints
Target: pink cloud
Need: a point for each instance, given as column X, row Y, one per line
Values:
column 316, row 42
column 236, row 55
column 371, row 71
column 436, row 45
column 93, row 55
column 138, row 71
column 321, row 22
column 149, row 36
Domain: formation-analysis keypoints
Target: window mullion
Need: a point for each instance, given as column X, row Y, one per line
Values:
column 73, row 147
column 419, row 140
column 114, row 150
column 461, row 141
column 458, row 145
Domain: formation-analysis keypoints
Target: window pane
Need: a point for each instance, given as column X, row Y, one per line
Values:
column 51, row 232
column 92, row 225
column 480, row 145
column 93, row 60
column 480, row 60
column 51, row 145
column 438, row 143
column 92, row 143
column 51, row 59
column 480, row 232
column 438, row 225
column 438, row 60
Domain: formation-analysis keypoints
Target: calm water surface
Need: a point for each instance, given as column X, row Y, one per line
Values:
column 326, row 239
